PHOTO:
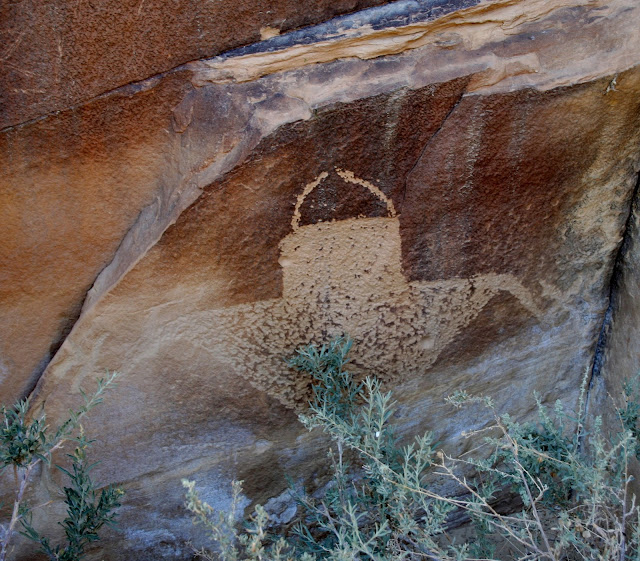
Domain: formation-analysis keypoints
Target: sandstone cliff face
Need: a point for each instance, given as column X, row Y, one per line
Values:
column 450, row 189
column 60, row 54
column 86, row 94
column 617, row 360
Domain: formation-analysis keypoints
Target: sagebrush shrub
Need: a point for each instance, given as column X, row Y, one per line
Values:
column 569, row 486
column 27, row 442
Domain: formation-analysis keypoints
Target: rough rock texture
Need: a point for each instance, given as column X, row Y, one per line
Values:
column 104, row 163
column 452, row 193
column 71, row 187
column 59, row 54
column 618, row 359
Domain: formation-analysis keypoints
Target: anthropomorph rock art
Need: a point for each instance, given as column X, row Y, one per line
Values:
column 345, row 277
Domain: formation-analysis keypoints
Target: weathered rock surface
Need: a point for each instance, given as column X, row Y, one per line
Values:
column 71, row 187
column 617, row 358
column 99, row 164
column 59, row 54
column 451, row 193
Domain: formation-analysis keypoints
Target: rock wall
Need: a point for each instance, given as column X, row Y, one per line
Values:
column 86, row 95
column 447, row 182
column 61, row 54
column 617, row 359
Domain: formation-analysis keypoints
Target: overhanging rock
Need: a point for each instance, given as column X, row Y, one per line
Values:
column 451, row 193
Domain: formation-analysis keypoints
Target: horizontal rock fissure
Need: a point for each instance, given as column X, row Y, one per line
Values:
column 400, row 15
column 131, row 88
column 395, row 14
column 495, row 19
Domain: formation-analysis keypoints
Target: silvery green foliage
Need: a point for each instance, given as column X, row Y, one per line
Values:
column 21, row 441
column 372, row 510
column 87, row 510
column 364, row 514
column 573, row 484
column 232, row 544
column 569, row 486
column 26, row 442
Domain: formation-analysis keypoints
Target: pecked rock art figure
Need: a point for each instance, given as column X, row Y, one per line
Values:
column 345, row 276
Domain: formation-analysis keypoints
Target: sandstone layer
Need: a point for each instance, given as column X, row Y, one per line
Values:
column 78, row 174
column 452, row 193
column 59, row 54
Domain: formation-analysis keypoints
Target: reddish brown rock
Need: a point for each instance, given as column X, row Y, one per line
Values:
column 59, row 54
column 72, row 185
column 456, row 207
column 505, row 207
column 258, row 265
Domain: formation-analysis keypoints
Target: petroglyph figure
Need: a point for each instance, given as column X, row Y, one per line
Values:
column 346, row 277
